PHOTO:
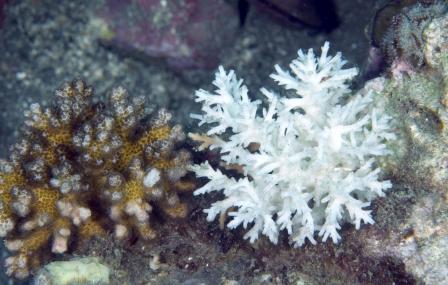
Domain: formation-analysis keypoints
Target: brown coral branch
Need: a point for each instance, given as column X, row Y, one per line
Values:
column 84, row 169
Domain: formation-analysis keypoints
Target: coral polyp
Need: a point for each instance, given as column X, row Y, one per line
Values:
column 84, row 169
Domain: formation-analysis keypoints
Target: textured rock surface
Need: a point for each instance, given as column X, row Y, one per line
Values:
column 436, row 41
column 419, row 236
column 420, row 241
column 186, row 33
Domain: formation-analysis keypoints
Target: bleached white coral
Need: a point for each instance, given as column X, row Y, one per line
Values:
column 308, row 162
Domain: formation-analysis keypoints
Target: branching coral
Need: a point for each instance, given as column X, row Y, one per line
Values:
column 85, row 168
column 308, row 163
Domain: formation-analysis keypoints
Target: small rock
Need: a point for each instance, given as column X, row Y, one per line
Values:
column 87, row 270
column 436, row 41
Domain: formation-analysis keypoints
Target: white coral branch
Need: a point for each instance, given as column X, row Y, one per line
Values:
column 314, row 166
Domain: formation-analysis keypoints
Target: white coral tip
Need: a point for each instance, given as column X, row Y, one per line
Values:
column 151, row 178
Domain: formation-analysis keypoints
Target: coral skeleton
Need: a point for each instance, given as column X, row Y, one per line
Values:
column 84, row 169
column 307, row 163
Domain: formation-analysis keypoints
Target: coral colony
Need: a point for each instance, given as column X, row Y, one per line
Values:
column 308, row 163
column 83, row 169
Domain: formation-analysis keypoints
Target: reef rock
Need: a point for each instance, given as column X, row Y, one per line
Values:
column 187, row 34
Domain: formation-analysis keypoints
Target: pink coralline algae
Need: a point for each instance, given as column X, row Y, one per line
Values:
column 186, row 33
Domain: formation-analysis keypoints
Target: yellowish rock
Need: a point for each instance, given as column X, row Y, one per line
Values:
column 80, row 271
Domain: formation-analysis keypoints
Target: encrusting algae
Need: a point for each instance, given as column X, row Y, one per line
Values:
column 83, row 169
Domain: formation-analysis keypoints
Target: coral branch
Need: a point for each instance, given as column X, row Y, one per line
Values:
column 83, row 169
column 307, row 162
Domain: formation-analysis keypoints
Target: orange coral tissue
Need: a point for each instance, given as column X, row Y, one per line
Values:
column 83, row 169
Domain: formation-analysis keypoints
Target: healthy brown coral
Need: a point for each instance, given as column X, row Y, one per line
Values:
column 83, row 169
